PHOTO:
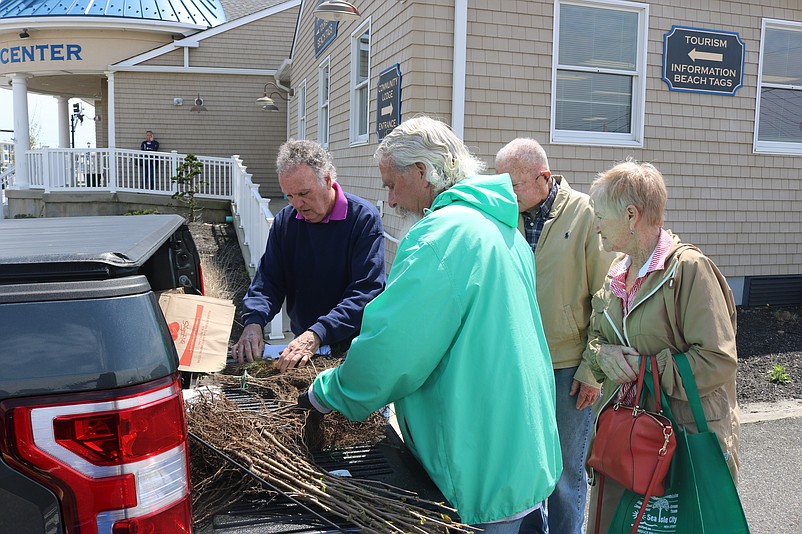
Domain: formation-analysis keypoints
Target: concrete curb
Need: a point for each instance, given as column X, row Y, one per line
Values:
column 755, row 412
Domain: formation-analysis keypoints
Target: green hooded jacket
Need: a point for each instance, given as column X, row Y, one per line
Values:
column 456, row 342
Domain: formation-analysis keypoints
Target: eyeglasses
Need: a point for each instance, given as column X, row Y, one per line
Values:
column 519, row 185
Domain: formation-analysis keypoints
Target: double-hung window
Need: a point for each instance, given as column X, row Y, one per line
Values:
column 323, row 86
column 778, row 115
column 360, row 78
column 599, row 72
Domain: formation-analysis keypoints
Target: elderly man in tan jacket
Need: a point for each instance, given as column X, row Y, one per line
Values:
column 571, row 266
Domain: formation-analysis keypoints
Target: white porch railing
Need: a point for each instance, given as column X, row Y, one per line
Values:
column 108, row 169
column 114, row 169
column 6, row 178
column 252, row 214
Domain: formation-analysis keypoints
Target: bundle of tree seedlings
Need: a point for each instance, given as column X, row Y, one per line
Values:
column 237, row 452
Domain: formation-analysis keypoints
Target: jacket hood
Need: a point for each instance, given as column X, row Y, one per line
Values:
column 490, row 194
column 677, row 247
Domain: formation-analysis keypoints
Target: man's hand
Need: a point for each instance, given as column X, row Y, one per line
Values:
column 619, row 363
column 298, row 352
column 251, row 344
column 587, row 395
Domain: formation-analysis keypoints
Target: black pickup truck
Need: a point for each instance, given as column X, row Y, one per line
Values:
column 93, row 437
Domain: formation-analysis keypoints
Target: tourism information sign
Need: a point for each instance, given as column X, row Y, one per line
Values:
column 703, row 61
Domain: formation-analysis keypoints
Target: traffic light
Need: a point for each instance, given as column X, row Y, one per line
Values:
column 76, row 108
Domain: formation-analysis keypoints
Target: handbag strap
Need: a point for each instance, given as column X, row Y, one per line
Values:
column 648, row 365
column 599, row 504
column 654, row 390
column 643, row 506
column 656, row 379
column 691, row 391
column 641, row 375
column 647, row 496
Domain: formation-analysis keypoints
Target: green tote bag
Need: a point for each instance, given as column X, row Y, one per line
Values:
column 701, row 497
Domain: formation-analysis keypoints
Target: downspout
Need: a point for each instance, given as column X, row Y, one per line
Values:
column 460, row 60
column 286, row 64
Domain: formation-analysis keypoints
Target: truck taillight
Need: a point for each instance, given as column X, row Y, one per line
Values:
column 117, row 460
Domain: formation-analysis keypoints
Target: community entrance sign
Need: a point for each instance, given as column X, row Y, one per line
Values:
column 703, row 61
column 388, row 101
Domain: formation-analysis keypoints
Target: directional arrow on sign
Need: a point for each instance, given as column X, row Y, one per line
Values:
column 387, row 110
column 708, row 56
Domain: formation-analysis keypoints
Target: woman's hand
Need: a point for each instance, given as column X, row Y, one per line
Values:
column 619, row 363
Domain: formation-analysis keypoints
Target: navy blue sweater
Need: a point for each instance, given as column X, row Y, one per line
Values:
column 327, row 272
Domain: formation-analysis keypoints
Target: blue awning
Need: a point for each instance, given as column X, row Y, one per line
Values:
column 199, row 12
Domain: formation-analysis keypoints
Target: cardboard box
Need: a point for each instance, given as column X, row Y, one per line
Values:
column 201, row 327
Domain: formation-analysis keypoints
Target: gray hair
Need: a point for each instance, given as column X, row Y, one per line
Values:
column 630, row 182
column 303, row 152
column 523, row 150
column 432, row 143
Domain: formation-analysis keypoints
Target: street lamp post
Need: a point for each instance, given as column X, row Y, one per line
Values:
column 77, row 116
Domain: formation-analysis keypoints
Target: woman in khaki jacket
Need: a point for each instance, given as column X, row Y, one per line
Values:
column 661, row 297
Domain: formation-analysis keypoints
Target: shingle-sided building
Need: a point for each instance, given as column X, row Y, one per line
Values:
column 710, row 94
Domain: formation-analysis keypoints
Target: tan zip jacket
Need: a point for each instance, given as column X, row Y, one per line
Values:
column 685, row 308
column 570, row 267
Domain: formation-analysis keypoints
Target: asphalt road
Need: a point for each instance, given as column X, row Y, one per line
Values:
column 771, row 475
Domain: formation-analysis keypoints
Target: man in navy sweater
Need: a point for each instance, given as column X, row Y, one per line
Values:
column 324, row 255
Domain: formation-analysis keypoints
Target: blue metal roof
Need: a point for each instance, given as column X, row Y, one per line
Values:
column 199, row 12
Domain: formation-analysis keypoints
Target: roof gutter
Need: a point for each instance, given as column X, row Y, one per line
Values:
column 283, row 73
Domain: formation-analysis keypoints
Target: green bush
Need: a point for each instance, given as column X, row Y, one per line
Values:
column 142, row 212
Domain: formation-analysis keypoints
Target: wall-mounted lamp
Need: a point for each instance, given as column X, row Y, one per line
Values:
column 24, row 33
column 336, row 10
column 198, row 105
column 266, row 102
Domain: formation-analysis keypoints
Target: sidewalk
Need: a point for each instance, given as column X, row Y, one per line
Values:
column 771, row 466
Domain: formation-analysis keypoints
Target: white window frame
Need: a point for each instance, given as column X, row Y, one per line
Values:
column 357, row 137
column 638, row 108
column 301, row 110
column 772, row 147
column 323, row 99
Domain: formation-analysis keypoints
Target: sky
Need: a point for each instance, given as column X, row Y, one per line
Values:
column 43, row 112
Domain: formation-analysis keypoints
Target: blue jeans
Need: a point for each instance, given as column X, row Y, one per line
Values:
column 507, row 527
column 566, row 506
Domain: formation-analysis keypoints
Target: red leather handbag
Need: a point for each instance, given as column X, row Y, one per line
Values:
column 634, row 447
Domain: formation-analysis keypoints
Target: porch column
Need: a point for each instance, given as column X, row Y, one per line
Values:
column 111, row 138
column 22, row 139
column 63, row 121
column 112, row 141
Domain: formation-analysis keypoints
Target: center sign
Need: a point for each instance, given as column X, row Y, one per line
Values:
column 703, row 61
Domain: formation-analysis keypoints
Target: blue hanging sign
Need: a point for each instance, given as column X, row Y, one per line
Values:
column 324, row 34
column 388, row 101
